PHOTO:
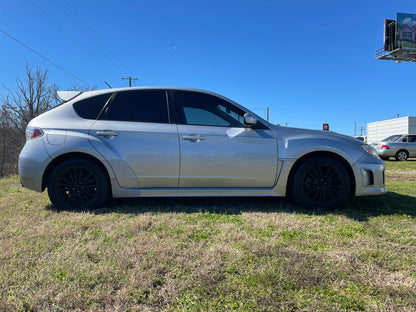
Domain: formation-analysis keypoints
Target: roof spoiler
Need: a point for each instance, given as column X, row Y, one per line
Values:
column 67, row 96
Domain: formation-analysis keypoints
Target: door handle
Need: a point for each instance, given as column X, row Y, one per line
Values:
column 193, row 137
column 107, row 133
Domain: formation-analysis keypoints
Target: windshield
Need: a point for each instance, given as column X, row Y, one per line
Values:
column 392, row 138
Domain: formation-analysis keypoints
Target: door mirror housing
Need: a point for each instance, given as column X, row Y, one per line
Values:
column 250, row 119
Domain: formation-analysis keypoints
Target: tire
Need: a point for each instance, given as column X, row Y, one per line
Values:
column 320, row 182
column 402, row 155
column 78, row 184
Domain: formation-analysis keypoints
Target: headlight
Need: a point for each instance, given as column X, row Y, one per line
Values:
column 369, row 149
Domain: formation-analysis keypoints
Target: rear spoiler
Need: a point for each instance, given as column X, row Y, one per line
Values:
column 67, row 96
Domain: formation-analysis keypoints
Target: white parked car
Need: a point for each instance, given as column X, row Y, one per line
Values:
column 169, row 141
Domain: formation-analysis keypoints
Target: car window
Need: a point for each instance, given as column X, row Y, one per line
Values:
column 392, row 138
column 194, row 108
column 197, row 116
column 90, row 108
column 412, row 138
column 138, row 106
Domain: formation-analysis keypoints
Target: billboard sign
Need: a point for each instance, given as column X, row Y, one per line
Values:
column 406, row 30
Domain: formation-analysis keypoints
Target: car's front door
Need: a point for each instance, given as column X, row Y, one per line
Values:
column 134, row 134
column 217, row 149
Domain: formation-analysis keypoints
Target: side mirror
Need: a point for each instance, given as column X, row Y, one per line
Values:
column 250, row 119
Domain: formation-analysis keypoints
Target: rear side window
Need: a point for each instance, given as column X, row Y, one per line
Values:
column 412, row 138
column 91, row 107
column 138, row 106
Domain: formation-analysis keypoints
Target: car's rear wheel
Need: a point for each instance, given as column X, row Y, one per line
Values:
column 321, row 182
column 78, row 184
column 401, row 155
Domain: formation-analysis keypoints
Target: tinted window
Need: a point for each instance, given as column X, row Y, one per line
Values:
column 91, row 107
column 412, row 138
column 392, row 138
column 138, row 106
column 193, row 108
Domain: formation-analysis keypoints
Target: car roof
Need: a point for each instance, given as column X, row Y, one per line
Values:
column 69, row 95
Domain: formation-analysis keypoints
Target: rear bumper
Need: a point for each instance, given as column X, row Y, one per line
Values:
column 33, row 160
column 386, row 152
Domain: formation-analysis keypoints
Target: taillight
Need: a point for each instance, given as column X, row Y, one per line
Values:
column 384, row 147
column 33, row 133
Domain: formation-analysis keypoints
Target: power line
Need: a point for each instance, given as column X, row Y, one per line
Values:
column 93, row 37
column 44, row 57
column 58, row 26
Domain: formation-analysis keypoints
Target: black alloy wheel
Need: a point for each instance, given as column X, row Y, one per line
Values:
column 78, row 184
column 321, row 182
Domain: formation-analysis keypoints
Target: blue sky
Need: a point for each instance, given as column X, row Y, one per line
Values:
column 311, row 62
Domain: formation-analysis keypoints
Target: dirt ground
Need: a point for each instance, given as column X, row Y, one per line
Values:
column 401, row 174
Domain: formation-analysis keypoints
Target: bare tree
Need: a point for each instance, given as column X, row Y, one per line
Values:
column 32, row 97
column 83, row 87
column 11, row 142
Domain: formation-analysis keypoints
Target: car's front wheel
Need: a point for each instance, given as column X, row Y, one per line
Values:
column 401, row 155
column 321, row 182
column 78, row 184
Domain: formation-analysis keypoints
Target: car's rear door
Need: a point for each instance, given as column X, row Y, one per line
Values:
column 134, row 134
column 411, row 145
column 217, row 149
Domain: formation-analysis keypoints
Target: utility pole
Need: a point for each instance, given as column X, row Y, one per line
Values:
column 130, row 79
column 362, row 128
column 267, row 113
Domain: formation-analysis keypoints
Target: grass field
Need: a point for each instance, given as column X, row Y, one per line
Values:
column 210, row 254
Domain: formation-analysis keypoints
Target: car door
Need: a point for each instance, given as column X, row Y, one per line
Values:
column 134, row 134
column 217, row 149
column 411, row 145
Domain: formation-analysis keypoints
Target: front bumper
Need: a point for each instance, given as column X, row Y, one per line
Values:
column 369, row 176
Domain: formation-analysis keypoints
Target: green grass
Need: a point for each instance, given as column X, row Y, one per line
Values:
column 210, row 254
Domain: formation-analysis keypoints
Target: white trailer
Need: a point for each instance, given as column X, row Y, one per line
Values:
column 376, row 131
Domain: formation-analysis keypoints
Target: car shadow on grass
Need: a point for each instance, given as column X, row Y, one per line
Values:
column 357, row 208
column 392, row 203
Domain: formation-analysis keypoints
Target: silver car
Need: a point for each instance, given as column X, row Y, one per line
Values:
column 169, row 141
column 399, row 146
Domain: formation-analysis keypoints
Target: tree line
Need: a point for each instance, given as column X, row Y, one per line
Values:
column 33, row 95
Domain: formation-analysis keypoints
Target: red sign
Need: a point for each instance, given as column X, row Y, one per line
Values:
column 325, row 126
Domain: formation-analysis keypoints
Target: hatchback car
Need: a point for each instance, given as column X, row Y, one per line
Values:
column 169, row 141
column 399, row 146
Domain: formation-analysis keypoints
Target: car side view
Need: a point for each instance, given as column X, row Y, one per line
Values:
column 171, row 141
column 399, row 146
